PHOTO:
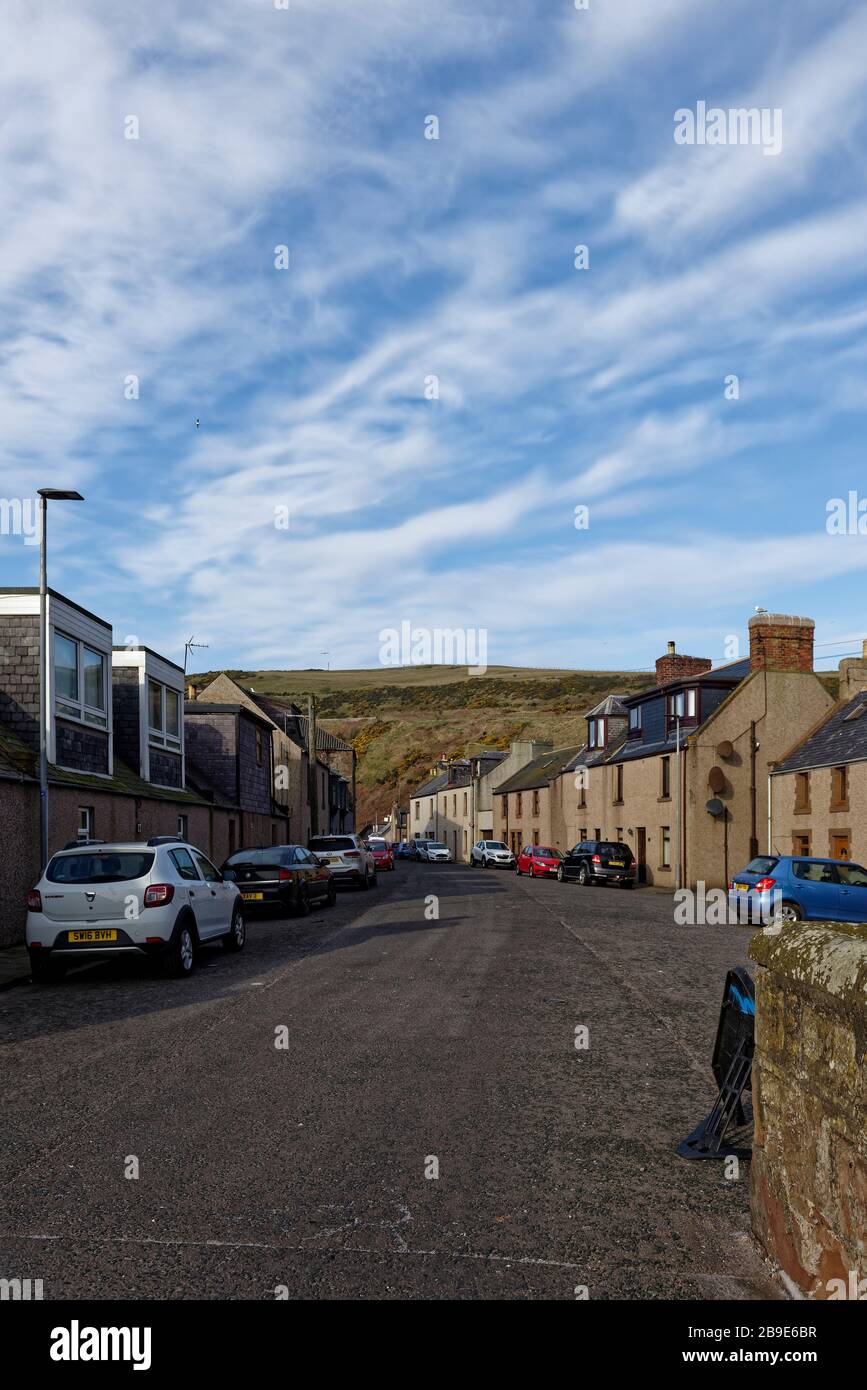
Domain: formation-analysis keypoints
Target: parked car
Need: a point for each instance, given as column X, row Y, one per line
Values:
column 383, row 854
column 416, row 848
column 599, row 861
column 538, row 860
column 434, row 852
column 809, row 889
column 491, row 854
column 159, row 898
column 402, row 850
column 287, row 877
column 349, row 858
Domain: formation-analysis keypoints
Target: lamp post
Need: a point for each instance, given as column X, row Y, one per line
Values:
column 47, row 494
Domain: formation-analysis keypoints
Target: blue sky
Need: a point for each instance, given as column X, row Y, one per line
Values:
column 410, row 258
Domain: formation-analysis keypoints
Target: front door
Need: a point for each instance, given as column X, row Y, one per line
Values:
column 641, row 853
column 840, row 845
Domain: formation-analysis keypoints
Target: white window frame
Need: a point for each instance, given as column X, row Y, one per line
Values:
column 78, row 710
column 161, row 738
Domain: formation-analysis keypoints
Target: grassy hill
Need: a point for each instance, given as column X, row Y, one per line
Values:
column 402, row 719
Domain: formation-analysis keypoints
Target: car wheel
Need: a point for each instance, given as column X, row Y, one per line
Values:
column 560, row 874
column 532, row 870
column 302, row 901
column 790, row 912
column 583, row 876
column 44, row 970
column 180, row 958
column 517, row 870
column 237, row 932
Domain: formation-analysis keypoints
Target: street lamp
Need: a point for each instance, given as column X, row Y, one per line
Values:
column 48, row 494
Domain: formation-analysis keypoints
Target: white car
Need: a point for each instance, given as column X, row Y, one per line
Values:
column 434, row 852
column 349, row 858
column 491, row 853
column 159, row 897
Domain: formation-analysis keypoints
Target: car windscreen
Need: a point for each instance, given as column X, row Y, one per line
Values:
column 276, row 854
column 332, row 842
column 762, row 865
column 433, row 844
column 613, row 850
column 495, row 844
column 546, row 852
column 91, row 867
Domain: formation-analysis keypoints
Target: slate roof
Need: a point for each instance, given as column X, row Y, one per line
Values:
column 434, row 784
column 541, row 772
column 612, row 705
column 18, row 761
column 730, row 671
column 842, row 738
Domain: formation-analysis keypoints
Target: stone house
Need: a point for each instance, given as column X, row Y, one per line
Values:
column 529, row 806
column 456, row 804
column 819, row 788
column 685, row 782
column 229, row 757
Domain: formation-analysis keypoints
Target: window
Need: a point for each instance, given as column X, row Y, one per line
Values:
column 619, row 832
column 683, row 705
column 582, row 791
column 183, row 862
column 454, row 803
column 79, row 681
column 85, row 823
column 206, row 868
column 535, row 837
column 430, row 807
column 536, row 805
column 852, row 875
column 164, row 715
column 465, row 808
column 258, row 747
column 802, row 792
column 801, row 843
column 519, row 804
column 618, row 783
column 582, row 833
column 634, row 730
column 665, row 848
column 814, row 873
column 597, row 834
column 596, row 732
column 839, row 789
column 183, row 828
column 665, row 779
column 417, row 810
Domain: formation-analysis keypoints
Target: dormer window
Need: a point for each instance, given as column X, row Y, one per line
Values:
column 79, row 681
column 164, row 715
column 596, row 732
column 683, row 705
column 635, row 721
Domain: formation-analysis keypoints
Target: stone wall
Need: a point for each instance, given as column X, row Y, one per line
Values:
column 808, row 1181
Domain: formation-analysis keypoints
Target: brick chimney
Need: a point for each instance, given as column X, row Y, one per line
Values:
column 674, row 667
column 781, row 642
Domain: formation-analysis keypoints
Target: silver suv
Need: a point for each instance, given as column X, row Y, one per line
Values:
column 349, row 858
column 161, row 897
column 492, row 853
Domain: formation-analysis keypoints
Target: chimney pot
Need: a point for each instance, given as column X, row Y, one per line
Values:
column 191, row 691
column 671, row 649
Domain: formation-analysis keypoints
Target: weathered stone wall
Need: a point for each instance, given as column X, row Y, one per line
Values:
column 808, row 1182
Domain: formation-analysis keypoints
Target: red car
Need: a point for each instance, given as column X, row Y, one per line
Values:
column 383, row 854
column 538, row 860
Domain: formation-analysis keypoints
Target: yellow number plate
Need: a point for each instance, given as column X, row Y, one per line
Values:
column 100, row 934
column 742, row 887
column 615, row 863
column 253, row 897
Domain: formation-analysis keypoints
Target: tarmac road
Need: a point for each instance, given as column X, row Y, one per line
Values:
column 414, row 1045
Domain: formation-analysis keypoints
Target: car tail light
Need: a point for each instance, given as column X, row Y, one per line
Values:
column 731, row 885
column 765, row 885
column 352, row 854
column 158, row 894
column 284, row 875
column 34, row 900
column 597, row 859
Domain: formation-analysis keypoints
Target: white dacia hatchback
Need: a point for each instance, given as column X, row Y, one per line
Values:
column 158, row 898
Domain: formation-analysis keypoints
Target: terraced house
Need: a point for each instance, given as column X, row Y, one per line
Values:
column 460, row 796
column 679, row 771
column 531, row 805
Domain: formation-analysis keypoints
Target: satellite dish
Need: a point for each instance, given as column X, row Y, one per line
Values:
column 725, row 749
column 714, row 807
column 716, row 779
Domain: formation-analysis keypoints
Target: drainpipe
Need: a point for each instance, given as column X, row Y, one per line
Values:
column 754, row 843
column 312, row 785
column 770, row 813
column 678, row 817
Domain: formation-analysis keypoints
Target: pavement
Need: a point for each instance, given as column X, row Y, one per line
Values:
column 415, row 1045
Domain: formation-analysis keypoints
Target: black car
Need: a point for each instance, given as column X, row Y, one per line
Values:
column 599, row 861
column 288, row 877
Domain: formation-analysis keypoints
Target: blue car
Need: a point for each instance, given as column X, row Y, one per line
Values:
column 809, row 890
